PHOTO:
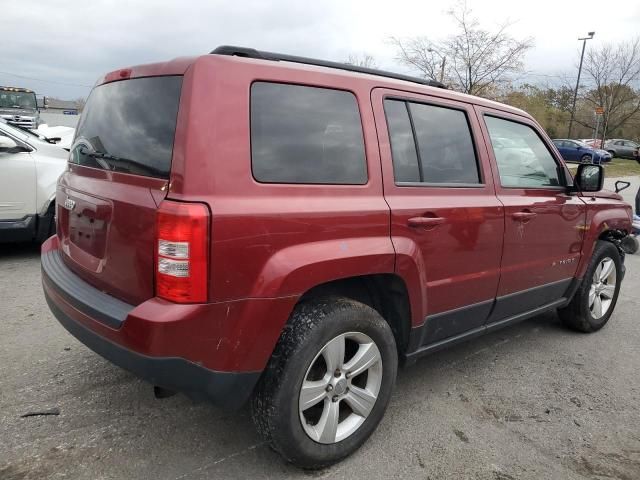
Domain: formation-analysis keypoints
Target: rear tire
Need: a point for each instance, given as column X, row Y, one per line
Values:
column 595, row 300
column 46, row 224
column 305, row 356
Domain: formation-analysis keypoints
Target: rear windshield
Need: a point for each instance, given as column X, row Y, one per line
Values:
column 129, row 126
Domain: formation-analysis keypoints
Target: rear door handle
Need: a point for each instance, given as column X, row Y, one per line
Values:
column 523, row 216
column 425, row 221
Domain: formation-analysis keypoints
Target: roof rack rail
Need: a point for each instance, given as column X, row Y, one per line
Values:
column 253, row 53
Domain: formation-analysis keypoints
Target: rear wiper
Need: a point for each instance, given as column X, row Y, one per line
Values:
column 107, row 156
column 97, row 154
column 100, row 156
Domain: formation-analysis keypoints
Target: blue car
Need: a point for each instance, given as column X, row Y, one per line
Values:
column 577, row 151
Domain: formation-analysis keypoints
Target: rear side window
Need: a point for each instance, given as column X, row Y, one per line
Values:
column 406, row 167
column 303, row 134
column 431, row 144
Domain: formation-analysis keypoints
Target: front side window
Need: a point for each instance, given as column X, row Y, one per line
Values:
column 525, row 162
column 303, row 134
column 445, row 153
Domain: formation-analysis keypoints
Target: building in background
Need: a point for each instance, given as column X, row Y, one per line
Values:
column 61, row 112
column 65, row 107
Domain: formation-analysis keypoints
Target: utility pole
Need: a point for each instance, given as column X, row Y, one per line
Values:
column 444, row 60
column 575, row 93
column 442, row 65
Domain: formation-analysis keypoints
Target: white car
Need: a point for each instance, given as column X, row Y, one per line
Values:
column 29, row 171
column 63, row 136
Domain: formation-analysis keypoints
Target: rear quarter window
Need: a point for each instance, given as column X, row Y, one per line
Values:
column 309, row 135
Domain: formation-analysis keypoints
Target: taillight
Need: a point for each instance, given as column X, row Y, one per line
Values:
column 182, row 265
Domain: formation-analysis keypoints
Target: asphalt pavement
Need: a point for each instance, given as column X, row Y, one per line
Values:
column 532, row 401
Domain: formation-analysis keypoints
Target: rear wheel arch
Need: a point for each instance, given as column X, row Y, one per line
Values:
column 277, row 407
column 385, row 293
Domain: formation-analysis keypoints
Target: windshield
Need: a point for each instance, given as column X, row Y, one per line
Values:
column 6, row 127
column 12, row 99
column 128, row 126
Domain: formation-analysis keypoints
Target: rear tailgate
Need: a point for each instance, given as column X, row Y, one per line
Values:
column 118, row 173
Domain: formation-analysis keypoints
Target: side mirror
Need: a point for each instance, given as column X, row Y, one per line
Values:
column 6, row 144
column 589, row 177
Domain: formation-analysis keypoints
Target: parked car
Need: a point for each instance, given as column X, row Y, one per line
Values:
column 592, row 142
column 251, row 225
column 29, row 171
column 19, row 106
column 62, row 136
column 576, row 151
column 622, row 148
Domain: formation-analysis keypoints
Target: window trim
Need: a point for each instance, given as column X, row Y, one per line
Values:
column 560, row 166
column 415, row 144
column 441, row 185
column 19, row 141
column 461, row 108
column 367, row 178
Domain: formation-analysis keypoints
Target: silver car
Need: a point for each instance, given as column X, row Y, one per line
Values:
column 621, row 148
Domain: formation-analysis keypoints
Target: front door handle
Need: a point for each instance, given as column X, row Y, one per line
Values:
column 425, row 221
column 523, row 216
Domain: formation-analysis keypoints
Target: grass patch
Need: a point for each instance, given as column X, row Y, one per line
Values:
column 618, row 167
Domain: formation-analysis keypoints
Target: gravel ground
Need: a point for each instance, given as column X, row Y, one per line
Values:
column 531, row 401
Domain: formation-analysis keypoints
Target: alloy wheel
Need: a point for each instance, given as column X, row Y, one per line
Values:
column 603, row 288
column 340, row 388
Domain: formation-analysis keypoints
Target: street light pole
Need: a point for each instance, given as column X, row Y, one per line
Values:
column 575, row 93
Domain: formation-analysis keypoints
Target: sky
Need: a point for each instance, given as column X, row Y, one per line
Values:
column 61, row 47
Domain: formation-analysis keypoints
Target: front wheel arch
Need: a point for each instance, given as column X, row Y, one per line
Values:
column 577, row 314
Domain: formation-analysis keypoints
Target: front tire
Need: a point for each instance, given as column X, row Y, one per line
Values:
column 328, row 382
column 595, row 300
column 586, row 159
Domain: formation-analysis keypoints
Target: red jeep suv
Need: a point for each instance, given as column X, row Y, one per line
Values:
column 250, row 225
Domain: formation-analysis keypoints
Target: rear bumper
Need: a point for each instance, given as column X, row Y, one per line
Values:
column 228, row 390
column 22, row 230
column 207, row 351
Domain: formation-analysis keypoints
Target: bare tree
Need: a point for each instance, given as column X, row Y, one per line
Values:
column 614, row 73
column 473, row 60
column 80, row 103
column 362, row 60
